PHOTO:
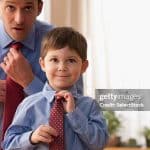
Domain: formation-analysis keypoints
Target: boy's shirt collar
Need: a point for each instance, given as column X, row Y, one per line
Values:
column 49, row 93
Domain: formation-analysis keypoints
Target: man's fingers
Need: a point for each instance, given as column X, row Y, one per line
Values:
column 2, row 90
column 3, row 65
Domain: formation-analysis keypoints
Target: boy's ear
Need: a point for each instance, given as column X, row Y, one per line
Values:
column 84, row 66
column 41, row 62
column 40, row 6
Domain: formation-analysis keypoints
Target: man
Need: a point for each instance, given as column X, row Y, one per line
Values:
column 19, row 24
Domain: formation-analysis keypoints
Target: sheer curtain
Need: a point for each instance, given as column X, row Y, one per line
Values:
column 119, row 43
column 46, row 11
column 118, row 35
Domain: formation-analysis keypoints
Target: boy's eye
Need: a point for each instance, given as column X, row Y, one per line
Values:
column 72, row 60
column 54, row 60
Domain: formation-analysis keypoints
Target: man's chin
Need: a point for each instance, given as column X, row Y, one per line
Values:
column 17, row 37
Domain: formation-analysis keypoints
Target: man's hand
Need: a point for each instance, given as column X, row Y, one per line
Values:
column 2, row 90
column 69, row 103
column 16, row 66
column 44, row 133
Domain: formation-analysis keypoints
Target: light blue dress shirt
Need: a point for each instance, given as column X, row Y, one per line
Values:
column 31, row 50
column 85, row 127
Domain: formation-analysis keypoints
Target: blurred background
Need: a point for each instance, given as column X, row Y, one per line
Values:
column 118, row 35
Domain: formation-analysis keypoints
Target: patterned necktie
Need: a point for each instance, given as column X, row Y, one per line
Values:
column 57, row 122
column 14, row 95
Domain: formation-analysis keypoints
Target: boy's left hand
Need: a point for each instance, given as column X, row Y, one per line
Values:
column 69, row 103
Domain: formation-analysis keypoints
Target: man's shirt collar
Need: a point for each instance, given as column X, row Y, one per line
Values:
column 6, row 40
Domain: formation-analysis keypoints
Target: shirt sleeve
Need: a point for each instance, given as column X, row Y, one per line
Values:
column 35, row 86
column 17, row 136
column 91, row 128
column 17, row 142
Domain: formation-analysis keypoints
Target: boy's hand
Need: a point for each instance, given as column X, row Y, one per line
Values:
column 44, row 133
column 69, row 103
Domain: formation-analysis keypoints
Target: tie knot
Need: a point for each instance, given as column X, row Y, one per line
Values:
column 59, row 99
column 16, row 45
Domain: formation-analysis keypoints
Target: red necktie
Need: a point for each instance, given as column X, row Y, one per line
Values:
column 57, row 122
column 14, row 95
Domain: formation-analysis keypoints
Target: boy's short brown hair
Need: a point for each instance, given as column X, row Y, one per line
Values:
column 61, row 37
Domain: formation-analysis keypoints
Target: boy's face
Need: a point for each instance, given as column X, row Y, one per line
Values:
column 63, row 68
column 19, row 16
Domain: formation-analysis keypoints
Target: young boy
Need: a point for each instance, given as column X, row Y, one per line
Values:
column 63, row 59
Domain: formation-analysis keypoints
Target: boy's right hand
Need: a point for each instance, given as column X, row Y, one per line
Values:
column 44, row 133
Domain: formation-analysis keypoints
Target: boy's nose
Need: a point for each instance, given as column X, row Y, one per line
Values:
column 62, row 67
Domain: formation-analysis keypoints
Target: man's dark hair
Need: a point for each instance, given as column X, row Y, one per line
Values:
column 40, row 1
